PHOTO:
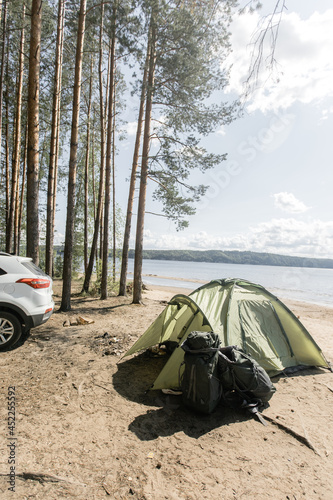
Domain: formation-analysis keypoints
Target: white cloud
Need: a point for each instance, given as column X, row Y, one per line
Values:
column 131, row 128
column 303, row 55
column 294, row 237
column 221, row 130
column 289, row 203
column 326, row 112
column 59, row 238
column 312, row 238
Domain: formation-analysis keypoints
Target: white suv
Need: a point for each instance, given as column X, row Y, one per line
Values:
column 25, row 297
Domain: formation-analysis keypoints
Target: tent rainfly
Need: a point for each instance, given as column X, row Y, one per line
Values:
column 243, row 314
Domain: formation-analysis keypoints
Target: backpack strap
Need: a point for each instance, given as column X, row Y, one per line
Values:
column 253, row 408
column 193, row 383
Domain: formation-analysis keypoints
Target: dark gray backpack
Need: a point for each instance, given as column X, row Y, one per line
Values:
column 200, row 384
column 239, row 372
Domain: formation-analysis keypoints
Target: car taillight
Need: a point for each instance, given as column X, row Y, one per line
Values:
column 35, row 282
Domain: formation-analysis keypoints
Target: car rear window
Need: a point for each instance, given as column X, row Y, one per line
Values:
column 33, row 268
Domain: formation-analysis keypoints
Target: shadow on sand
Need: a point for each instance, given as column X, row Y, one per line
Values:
column 133, row 379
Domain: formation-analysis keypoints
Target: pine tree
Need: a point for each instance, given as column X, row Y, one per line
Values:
column 69, row 241
column 33, row 133
column 108, row 165
column 2, row 70
column 54, row 143
column 128, row 223
column 137, row 286
column 188, row 41
column 98, row 214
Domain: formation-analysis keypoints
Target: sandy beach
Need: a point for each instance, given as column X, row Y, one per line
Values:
column 86, row 428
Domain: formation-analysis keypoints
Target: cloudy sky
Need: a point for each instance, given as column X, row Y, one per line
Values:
column 274, row 192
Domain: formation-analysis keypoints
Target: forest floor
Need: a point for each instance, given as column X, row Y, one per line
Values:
column 85, row 427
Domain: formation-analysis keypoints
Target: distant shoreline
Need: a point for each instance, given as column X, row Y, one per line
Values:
column 235, row 257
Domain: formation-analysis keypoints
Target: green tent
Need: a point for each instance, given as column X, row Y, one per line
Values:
column 243, row 314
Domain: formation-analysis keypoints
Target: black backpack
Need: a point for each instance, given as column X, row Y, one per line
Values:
column 200, row 384
column 240, row 373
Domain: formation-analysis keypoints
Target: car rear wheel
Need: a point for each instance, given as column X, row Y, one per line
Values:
column 10, row 330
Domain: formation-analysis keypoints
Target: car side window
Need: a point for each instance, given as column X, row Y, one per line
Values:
column 33, row 268
column 2, row 272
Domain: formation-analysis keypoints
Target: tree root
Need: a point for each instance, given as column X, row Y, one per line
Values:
column 43, row 478
column 293, row 433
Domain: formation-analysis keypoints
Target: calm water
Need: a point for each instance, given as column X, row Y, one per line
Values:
column 297, row 283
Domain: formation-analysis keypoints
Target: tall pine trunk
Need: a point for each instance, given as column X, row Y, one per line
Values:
column 108, row 163
column 12, row 242
column 23, row 186
column 53, row 164
column 2, row 70
column 7, row 168
column 86, row 172
column 137, row 284
column 69, row 238
column 128, row 223
column 33, row 133
column 114, row 186
column 93, row 165
column 93, row 251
